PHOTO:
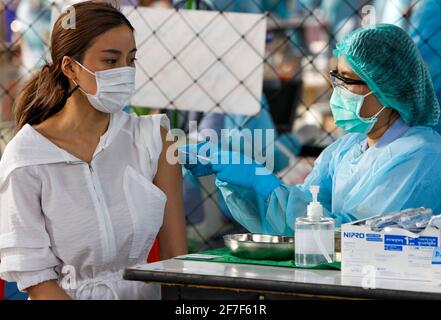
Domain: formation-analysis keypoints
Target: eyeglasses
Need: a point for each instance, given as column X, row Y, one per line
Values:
column 338, row 79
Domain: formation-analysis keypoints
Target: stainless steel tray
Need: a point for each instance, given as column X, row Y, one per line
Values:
column 260, row 246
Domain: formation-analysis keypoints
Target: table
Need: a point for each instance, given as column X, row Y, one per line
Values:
column 184, row 279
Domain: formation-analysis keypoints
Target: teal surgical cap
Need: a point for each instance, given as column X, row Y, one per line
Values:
column 385, row 57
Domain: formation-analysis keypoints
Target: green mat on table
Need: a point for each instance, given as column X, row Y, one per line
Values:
column 226, row 256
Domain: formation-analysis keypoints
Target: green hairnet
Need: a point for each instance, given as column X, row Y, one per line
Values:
column 385, row 57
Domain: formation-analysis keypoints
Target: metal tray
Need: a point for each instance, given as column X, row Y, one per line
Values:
column 260, row 246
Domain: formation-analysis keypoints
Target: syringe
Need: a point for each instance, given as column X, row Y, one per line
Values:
column 195, row 155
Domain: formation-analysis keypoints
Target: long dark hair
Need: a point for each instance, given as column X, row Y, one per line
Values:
column 46, row 92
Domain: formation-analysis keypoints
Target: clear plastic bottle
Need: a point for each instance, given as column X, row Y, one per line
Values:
column 314, row 235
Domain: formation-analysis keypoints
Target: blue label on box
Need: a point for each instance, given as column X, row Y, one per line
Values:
column 393, row 248
column 374, row 237
column 408, row 241
column 424, row 241
column 395, row 240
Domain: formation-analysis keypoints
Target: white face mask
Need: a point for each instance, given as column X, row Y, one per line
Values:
column 114, row 88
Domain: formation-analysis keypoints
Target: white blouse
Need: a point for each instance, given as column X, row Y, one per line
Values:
column 82, row 223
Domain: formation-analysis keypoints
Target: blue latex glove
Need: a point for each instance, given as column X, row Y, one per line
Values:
column 245, row 173
column 231, row 167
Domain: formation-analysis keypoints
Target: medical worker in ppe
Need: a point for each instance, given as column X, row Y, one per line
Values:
column 389, row 160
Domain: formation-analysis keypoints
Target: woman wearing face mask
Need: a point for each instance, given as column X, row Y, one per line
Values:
column 83, row 185
column 389, row 160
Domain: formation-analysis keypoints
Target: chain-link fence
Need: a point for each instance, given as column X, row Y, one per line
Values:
column 296, row 86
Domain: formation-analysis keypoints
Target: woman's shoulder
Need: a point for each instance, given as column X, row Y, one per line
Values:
column 146, row 130
column 25, row 150
column 144, row 121
column 28, row 145
column 23, row 137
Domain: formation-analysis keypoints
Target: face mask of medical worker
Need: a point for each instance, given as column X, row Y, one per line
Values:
column 114, row 88
column 346, row 106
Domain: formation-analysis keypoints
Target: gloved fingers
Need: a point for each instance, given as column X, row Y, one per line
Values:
column 202, row 171
column 199, row 169
column 222, row 175
column 265, row 184
column 217, row 167
column 190, row 167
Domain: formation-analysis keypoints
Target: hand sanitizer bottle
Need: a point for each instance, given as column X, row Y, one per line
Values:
column 314, row 235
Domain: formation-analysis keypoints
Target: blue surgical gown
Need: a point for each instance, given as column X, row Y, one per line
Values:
column 402, row 170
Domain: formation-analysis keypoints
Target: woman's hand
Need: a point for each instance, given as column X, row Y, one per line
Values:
column 48, row 290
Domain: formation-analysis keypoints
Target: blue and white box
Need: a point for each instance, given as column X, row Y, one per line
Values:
column 392, row 253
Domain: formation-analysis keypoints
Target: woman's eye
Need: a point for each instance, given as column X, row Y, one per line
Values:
column 133, row 60
column 110, row 61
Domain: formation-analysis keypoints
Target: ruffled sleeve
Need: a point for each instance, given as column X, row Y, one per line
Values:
column 150, row 131
column 25, row 248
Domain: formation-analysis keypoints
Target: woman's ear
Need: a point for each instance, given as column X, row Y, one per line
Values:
column 69, row 68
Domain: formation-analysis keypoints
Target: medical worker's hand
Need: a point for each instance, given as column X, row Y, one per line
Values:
column 191, row 156
column 246, row 173
column 232, row 167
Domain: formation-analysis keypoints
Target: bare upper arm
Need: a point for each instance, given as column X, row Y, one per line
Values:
column 172, row 235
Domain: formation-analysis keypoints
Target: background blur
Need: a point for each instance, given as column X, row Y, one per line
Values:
column 301, row 35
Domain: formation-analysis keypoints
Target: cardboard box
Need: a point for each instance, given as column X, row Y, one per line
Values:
column 393, row 253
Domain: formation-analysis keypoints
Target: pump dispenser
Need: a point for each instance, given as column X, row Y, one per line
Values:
column 314, row 235
column 315, row 209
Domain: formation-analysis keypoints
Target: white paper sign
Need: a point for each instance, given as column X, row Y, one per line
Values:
column 198, row 60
